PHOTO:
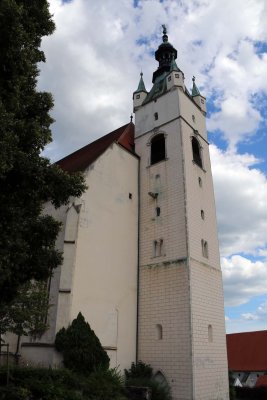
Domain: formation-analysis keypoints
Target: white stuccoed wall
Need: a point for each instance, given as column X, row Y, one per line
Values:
column 181, row 290
column 99, row 273
column 104, row 284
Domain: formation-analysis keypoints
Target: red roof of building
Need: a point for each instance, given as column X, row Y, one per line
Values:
column 247, row 351
column 82, row 158
column 261, row 381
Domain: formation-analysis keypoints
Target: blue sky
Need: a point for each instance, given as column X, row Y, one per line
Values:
column 93, row 63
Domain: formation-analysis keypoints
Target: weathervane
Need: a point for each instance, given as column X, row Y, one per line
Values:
column 164, row 37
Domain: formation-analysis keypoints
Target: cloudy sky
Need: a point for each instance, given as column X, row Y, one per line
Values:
column 93, row 63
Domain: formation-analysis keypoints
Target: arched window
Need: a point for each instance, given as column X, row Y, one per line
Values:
column 196, row 152
column 158, row 148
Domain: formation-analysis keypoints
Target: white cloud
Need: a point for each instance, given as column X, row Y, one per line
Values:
column 250, row 321
column 241, row 193
column 250, row 317
column 94, row 59
column 243, row 279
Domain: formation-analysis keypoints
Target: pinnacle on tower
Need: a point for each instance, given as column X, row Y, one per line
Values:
column 195, row 91
column 198, row 98
column 141, row 85
column 140, row 94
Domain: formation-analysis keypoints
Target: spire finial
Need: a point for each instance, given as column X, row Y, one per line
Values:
column 193, row 79
column 141, row 74
column 164, row 37
column 131, row 117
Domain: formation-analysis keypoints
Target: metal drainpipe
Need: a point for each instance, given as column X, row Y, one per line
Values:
column 138, row 264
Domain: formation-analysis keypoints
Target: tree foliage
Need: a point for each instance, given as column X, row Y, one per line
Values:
column 27, row 180
column 27, row 313
column 141, row 375
column 81, row 349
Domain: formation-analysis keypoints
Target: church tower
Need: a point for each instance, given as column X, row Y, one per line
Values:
column 181, row 330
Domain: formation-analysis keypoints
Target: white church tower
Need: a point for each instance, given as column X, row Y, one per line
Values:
column 181, row 330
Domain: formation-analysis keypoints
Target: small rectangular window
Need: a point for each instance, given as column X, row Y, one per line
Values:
column 169, row 78
column 161, row 247
column 176, row 75
column 202, row 101
column 204, row 246
column 156, row 116
column 138, row 96
column 155, row 248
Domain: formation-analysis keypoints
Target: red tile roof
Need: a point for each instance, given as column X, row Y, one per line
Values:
column 261, row 381
column 82, row 158
column 247, row 351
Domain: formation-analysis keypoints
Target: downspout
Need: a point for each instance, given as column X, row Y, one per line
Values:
column 138, row 263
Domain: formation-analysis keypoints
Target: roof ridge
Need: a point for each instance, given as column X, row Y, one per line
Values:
column 80, row 159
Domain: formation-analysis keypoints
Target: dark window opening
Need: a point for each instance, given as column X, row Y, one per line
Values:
column 130, row 196
column 204, row 246
column 196, row 152
column 158, row 211
column 158, row 148
column 156, row 116
column 138, row 96
column 169, row 78
column 176, row 75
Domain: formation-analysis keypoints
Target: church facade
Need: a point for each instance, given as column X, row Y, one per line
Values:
column 141, row 256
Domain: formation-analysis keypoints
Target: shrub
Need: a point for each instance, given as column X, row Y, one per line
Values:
column 105, row 385
column 81, row 349
column 41, row 383
column 141, row 375
column 139, row 370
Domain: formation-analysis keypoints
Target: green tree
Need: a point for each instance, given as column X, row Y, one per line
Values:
column 27, row 179
column 81, row 349
column 27, row 313
column 141, row 375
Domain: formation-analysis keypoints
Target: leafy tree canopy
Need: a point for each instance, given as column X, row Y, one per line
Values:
column 27, row 180
column 81, row 348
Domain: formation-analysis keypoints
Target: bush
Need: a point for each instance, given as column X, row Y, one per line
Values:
column 105, row 385
column 61, row 384
column 41, row 383
column 81, row 349
column 139, row 370
column 141, row 375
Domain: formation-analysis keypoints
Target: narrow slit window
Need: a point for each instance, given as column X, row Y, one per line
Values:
column 196, row 152
column 159, row 333
column 156, row 116
column 204, row 245
column 161, row 247
column 155, row 248
column 202, row 214
column 210, row 334
column 158, row 149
